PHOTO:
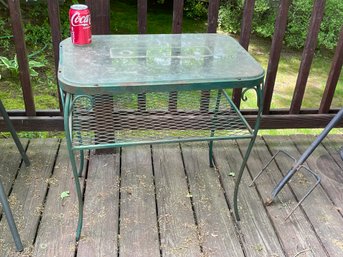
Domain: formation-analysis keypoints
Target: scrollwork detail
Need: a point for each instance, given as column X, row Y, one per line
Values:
column 243, row 96
column 84, row 102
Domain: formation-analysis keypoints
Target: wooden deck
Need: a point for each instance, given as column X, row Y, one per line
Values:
column 165, row 200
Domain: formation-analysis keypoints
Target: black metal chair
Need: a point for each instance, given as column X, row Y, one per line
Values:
column 3, row 197
column 299, row 164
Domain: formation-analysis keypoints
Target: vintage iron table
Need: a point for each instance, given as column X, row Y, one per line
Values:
column 126, row 90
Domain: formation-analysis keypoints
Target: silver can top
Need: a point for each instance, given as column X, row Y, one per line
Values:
column 79, row 7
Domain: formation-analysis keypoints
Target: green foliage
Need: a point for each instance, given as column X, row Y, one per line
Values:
column 263, row 19
column 124, row 20
column 196, row 9
column 299, row 20
column 37, row 34
column 65, row 194
column 5, row 35
column 12, row 65
column 331, row 24
column 230, row 17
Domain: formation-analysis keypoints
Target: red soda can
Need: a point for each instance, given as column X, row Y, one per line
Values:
column 80, row 24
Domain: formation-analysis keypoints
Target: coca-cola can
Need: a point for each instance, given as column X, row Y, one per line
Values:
column 80, row 24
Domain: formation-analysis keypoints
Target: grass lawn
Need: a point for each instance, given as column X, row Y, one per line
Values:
column 288, row 71
column 124, row 21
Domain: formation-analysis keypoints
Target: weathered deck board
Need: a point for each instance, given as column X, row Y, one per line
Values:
column 296, row 234
column 100, row 231
column 171, row 201
column 10, row 160
column 259, row 237
column 333, row 144
column 323, row 164
column 56, row 233
column 322, row 214
column 217, row 232
column 28, row 194
column 138, row 217
column 178, row 229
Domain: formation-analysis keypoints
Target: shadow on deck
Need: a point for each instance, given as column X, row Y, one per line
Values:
column 165, row 200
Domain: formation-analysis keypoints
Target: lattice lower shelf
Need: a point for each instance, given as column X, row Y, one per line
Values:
column 104, row 120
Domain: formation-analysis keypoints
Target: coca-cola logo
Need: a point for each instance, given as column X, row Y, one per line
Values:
column 78, row 20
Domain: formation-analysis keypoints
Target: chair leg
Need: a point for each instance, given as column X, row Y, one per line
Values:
column 10, row 220
column 14, row 134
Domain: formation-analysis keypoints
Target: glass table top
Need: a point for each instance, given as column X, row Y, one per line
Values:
column 156, row 59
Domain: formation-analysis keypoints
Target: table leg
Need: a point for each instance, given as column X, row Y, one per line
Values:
column 219, row 94
column 82, row 162
column 67, row 129
column 248, row 151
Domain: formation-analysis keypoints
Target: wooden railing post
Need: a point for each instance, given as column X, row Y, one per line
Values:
column 274, row 57
column 244, row 41
column 142, row 17
column 20, row 47
column 142, row 8
column 307, row 56
column 55, row 24
column 176, row 29
column 335, row 71
column 100, row 13
column 212, row 20
column 177, row 16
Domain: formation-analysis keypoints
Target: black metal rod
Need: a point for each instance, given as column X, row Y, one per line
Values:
column 10, row 220
column 14, row 134
column 307, row 153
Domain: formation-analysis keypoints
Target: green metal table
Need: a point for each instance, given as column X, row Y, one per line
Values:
column 145, row 89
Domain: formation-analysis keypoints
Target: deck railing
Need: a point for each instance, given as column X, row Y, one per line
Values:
column 295, row 117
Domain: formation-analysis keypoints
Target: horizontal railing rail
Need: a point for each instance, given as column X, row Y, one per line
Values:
column 31, row 119
column 277, row 119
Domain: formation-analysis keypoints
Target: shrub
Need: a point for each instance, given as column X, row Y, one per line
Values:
column 230, row 16
column 331, row 24
column 299, row 16
column 196, row 9
column 264, row 18
column 5, row 35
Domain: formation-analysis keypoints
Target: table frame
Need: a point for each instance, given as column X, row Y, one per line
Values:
column 98, row 94
column 67, row 102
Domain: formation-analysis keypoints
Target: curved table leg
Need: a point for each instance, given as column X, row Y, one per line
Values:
column 73, row 163
column 248, row 151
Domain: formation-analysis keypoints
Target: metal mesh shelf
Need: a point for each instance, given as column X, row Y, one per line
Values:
column 155, row 117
